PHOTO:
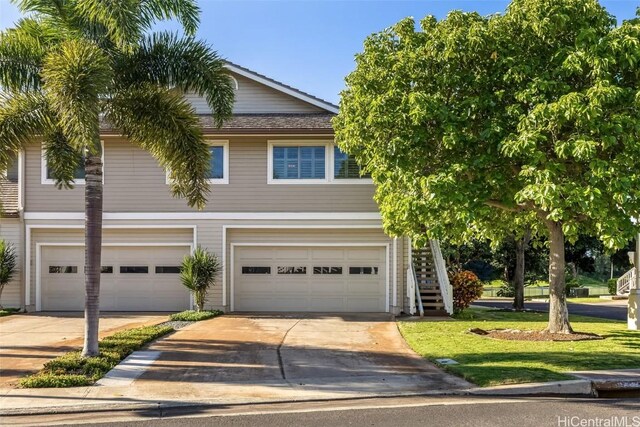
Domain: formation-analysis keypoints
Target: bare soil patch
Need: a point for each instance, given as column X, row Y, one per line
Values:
column 519, row 335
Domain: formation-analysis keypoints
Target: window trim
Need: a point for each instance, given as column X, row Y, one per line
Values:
column 43, row 168
column 329, row 163
column 224, row 143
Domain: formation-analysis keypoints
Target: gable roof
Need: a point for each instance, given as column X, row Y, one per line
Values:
column 279, row 86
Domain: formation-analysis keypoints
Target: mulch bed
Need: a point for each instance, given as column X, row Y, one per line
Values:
column 518, row 335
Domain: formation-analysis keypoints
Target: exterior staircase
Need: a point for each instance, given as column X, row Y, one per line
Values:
column 427, row 283
column 428, row 292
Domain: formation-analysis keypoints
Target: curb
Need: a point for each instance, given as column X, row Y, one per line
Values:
column 554, row 388
column 116, row 407
column 569, row 388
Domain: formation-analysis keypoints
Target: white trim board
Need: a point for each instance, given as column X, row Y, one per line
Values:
column 208, row 215
column 386, row 246
column 39, row 246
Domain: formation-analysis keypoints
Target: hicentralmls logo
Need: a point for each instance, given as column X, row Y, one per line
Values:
column 576, row 421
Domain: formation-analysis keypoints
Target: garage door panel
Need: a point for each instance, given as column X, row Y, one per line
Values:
column 119, row 291
column 326, row 285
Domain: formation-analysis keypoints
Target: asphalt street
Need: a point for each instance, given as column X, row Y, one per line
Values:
column 396, row 412
column 603, row 311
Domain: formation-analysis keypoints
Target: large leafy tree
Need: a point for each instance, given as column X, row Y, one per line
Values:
column 532, row 112
column 71, row 64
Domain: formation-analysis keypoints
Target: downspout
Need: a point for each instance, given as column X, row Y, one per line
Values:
column 23, row 252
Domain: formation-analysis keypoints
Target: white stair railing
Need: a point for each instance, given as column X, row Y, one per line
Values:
column 413, row 292
column 626, row 282
column 411, row 289
column 443, row 277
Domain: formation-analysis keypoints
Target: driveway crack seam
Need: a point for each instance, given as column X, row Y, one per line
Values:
column 280, row 363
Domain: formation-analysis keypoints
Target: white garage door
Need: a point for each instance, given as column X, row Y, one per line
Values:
column 329, row 279
column 132, row 279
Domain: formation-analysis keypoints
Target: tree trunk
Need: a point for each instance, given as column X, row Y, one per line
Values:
column 558, row 312
column 92, row 252
column 518, row 276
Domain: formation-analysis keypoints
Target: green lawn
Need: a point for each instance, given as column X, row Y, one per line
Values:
column 488, row 362
column 8, row 311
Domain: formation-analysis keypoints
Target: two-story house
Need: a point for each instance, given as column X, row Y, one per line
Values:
column 289, row 215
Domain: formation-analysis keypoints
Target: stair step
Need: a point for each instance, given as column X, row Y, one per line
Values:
column 436, row 313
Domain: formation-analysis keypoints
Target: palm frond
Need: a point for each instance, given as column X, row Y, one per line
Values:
column 188, row 64
column 75, row 77
column 22, row 117
column 63, row 160
column 162, row 122
column 123, row 19
column 22, row 51
column 45, row 7
column 186, row 12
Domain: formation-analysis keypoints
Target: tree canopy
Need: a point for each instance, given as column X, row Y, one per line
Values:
column 471, row 122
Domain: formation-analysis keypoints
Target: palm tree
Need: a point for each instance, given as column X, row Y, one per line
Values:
column 71, row 64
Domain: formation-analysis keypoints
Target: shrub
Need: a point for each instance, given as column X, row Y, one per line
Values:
column 507, row 290
column 44, row 380
column 612, row 284
column 73, row 370
column 194, row 316
column 198, row 274
column 466, row 289
column 7, row 265
column 570, row 285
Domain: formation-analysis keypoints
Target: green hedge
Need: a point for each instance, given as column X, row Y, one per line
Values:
column 194, row 316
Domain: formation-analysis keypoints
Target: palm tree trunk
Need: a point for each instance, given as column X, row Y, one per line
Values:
column 92, row 252
column 558, row 312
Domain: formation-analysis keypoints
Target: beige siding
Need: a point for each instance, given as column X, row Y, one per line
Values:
column 253, row 97
column 11, row 231
column 135, row 183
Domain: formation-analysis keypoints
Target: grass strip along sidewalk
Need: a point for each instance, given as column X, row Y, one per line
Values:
column 72, row 370
column 487, row 361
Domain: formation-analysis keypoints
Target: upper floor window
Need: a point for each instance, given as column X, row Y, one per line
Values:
column 345, row 166
column 311, row 162
column 219, row 162
column 78, row 176
column 299, row 162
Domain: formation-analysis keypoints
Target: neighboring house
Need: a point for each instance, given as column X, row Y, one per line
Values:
column 289, row 215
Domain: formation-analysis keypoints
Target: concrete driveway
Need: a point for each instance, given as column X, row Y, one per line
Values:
column 290, row 357
column 27, row 341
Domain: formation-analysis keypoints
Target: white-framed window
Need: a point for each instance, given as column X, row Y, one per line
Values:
column 311, row 162
column 47, row 178
column 219, row 170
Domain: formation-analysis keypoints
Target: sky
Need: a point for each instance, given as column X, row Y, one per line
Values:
column 310, row 44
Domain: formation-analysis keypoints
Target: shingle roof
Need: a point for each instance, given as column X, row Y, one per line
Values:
column 8, row 198
column 270, row 122
column 264, row 123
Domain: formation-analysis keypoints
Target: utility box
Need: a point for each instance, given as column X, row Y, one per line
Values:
column 579, row 292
